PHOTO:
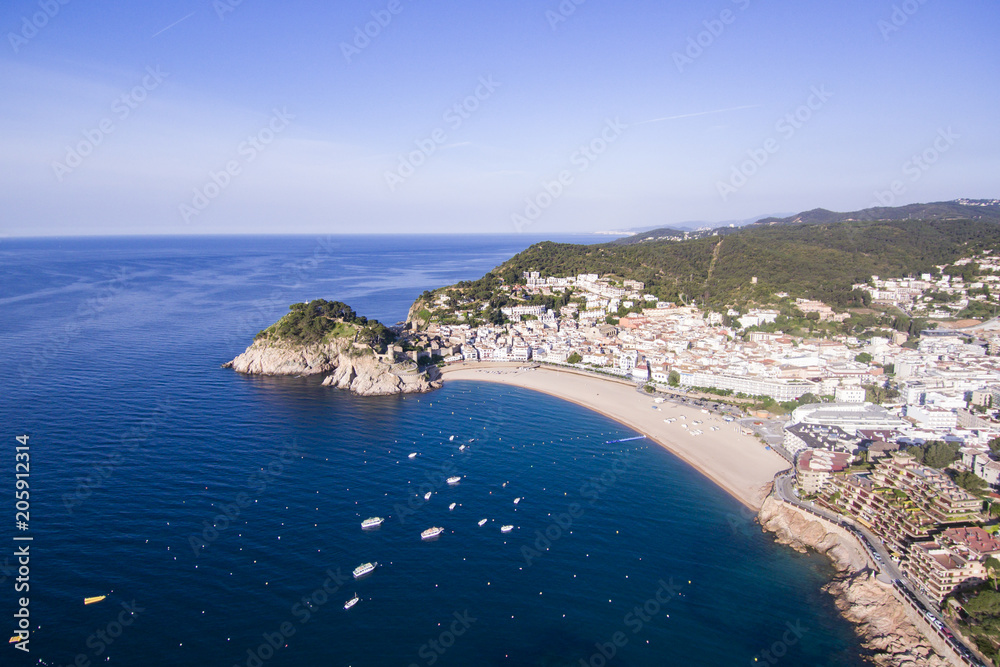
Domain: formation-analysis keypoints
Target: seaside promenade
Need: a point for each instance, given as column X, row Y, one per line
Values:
column 738, row 463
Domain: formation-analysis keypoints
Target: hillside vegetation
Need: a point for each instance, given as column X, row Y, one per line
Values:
column 322, row 321
column 819, row 261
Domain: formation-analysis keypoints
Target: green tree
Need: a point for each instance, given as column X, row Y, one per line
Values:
column 993, row 568
column 939, row 454
column 674, row 379
column 863, row 358
column 574, row 358
column 971, row 482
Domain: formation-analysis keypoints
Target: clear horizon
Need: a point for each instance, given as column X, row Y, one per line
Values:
column 557, row 118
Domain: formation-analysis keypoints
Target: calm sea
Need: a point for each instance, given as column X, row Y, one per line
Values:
column 221, row 513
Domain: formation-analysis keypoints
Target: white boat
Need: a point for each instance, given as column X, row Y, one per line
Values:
column 454, row 480
column 372, row 522
column 427, row 496
column 517, row 500
column 461, row 448
column 353, row 601
column 450, row 438
column 482, row 522
column 451, row 507
column 412, row 455
column 506, row 529
column 434, row 531
column 363, row 569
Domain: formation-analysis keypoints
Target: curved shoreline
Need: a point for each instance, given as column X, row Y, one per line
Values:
column 736, row 463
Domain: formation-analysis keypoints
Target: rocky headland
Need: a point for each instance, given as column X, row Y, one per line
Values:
column 327, row 338
column 879, row 617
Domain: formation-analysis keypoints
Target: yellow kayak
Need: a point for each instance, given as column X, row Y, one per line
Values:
column 94, row 599
column 16, row 638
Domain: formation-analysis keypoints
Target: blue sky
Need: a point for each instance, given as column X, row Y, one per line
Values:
column 254, row 117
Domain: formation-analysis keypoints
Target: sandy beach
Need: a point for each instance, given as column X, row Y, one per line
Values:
column 739, row 464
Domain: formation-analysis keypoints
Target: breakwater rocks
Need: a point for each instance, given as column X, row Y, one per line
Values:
column 879, row 617
column 346, row 365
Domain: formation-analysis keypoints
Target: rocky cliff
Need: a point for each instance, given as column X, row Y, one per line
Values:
column 880, row 618
column 345, row 365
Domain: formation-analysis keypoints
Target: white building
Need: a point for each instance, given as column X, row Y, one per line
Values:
column 850, row 395
column 932, row 416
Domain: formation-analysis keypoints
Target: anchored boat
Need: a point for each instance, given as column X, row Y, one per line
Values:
column 363, row 569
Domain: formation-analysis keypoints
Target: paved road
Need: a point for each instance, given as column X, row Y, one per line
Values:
column 785, row 491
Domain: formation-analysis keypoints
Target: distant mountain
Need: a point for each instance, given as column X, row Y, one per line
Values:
column 816, row 254
column 697, row 225
column 958, row 209
column 987, row 210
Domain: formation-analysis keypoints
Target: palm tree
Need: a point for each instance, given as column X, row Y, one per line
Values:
column 993, row 569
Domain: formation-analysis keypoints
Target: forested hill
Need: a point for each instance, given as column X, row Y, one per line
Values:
column 959, row 209
column 819, row 260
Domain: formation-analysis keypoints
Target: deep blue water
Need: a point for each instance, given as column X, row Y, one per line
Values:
column 109, row 358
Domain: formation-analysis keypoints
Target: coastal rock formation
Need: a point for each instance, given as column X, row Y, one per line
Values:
column 880, row 618
column 802, row 532
column 345, row 364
